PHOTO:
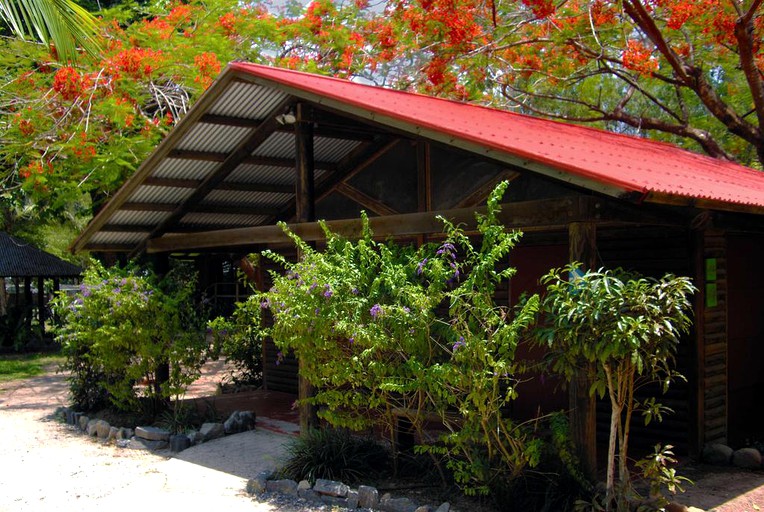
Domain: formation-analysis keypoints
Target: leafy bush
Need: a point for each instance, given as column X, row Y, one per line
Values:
column 238, row 339
column 622, row 330
column 335, row 455
column 385, row 331
column 125, row 326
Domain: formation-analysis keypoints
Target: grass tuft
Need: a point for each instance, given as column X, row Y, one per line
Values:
column 25, row 366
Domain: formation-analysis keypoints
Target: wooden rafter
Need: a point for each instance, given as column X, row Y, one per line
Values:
column 210, row 156
column 366, row 201
column 244, row 150
column 529, row 214
column 226, row 185
column 481, row 193
column 322, row 130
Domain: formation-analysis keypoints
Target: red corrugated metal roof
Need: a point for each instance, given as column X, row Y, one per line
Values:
column 628, row 163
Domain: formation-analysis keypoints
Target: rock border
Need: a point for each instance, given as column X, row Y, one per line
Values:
column 153, row 438
column 719, row 454
column 334, row 493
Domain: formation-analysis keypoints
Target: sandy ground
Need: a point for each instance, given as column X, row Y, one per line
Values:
column 45, row 465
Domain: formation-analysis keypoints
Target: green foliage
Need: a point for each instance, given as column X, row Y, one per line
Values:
column 334, row 454
column 238, row 339
column 385, row 331
column 122, row 327
column 622, row 330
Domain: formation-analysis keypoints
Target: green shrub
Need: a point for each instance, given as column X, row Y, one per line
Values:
column 125, row 326
column 238, row 339
column 335, row 455
column 384, row 330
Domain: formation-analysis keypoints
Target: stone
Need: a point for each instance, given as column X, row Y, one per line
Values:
column 352, row 499
column 102, row 429
column 256, row 485
column 330, row 488
column 368, row 497
column 123, row 443
column 179, row 442
column 747, row 458
column 444, row 507
column 282, row 486
column 239, row 421
column 676, row 507
column 138, row 443
column 196, row 437
column 125, row 433
column 389, row 504
column 718, row 454
column 113, row 432
column 303, row 485
column 334, row 501
column 84, row 423
column 309, row 495
column 210, row 431
column 61, row 413
column 424, row 508
column 92, row 428
column 76, row 418
column 152, row 433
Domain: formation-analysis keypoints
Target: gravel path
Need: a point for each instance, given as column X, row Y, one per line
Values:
column 48, row 466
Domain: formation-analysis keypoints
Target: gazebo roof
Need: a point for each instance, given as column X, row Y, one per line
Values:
column 21, row 259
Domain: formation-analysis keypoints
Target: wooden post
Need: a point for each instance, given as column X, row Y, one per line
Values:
column 582, row 244
column 41, row 304
column 424, row 200
column 28, row 303
column 305, row 203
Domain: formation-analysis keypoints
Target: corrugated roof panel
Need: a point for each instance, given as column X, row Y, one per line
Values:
column 138, row 218
column 247, row 173
column 181, row 168
column 245, row 100
column 327, row 149
column 233, row 220
column 277, row 145
column 111, row 237
column 248, row 198
column 213, row 137
column 167, row 195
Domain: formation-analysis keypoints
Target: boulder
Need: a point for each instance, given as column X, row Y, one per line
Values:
column 330, row 488
column 83, row 423
column 239, row 421
column 309, row 495
column 368, row 497
column 138, row 443
column 352, row 499
column 124, row 433
column 389, row 504
column 102, row 429
column 444, row 507
column 179, row 442
column 716, row 453
column 282, row 486
column 92, row 428
column 210, row 431
column 747, row 458
column 257, row 485
column 424, row 508
column 334, row 501
column 113, row 433
column 152, row 433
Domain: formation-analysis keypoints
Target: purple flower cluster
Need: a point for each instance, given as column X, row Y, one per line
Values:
column 459, row 344
column 375, row 311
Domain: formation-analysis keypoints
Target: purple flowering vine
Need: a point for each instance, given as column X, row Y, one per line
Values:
column 375, row 311
column 459, row 344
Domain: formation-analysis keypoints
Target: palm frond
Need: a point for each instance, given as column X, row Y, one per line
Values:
column 63, row 23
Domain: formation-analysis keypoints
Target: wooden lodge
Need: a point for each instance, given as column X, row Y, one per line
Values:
column 265, row 144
